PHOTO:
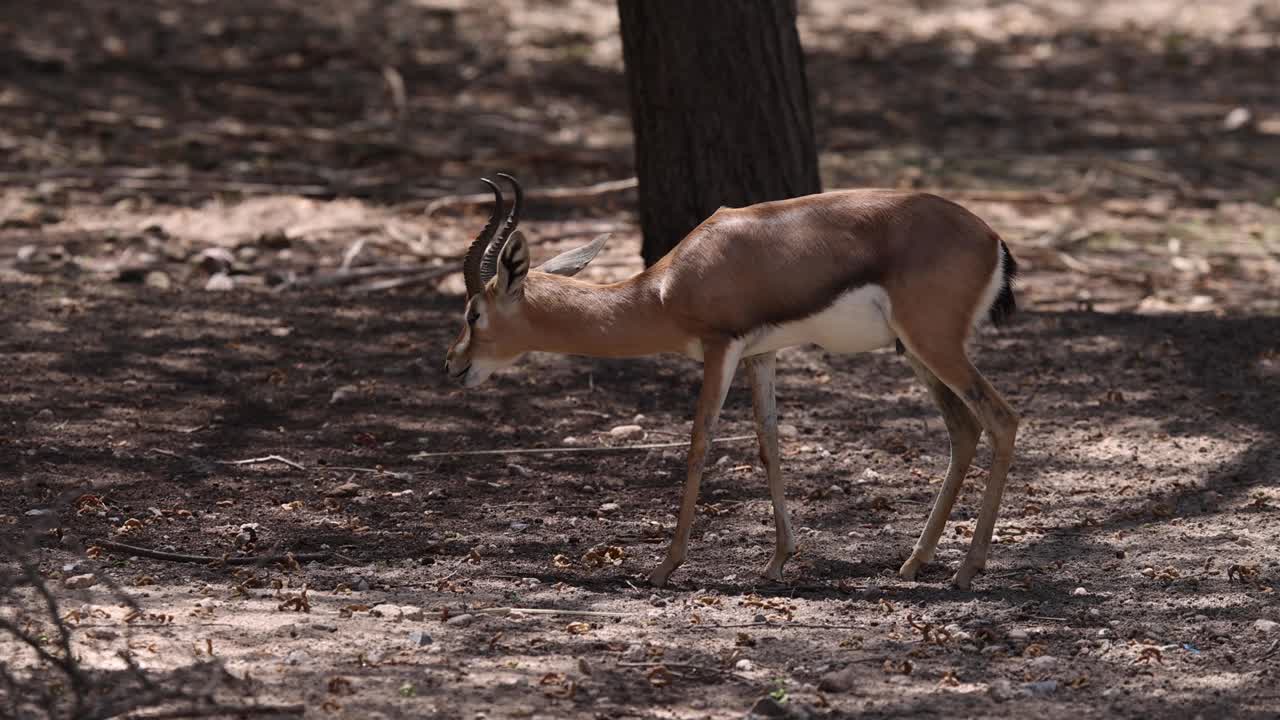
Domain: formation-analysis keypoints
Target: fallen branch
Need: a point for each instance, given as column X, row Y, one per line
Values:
column 207, row 559
column 263, row 459
column 373, row 471
column 427, row 276
column 684, row 666
column 216, row 710
column 1084, row 268
column 783, row 626
column 548, row 451
column 353, row 275
column 548, row 611
column 552, row 193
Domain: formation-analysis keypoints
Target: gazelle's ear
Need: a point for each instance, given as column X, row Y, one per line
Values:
column 572, row 261
column 513, row 266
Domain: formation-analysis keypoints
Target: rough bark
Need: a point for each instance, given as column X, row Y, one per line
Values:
column 720, row 110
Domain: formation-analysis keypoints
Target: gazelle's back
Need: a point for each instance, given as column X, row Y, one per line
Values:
column 777, row 263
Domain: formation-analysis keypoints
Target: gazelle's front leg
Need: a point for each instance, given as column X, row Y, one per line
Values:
column 761, row 371
column 719, row 361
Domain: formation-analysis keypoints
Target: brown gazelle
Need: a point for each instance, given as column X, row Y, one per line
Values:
column 850, row 271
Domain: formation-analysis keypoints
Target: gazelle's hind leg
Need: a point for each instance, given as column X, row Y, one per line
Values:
column 947, row 360
column 761, row 371
column 964, row 432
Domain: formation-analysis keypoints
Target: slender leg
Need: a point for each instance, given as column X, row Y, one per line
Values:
column 1001, row 423
column 760, row 370
column 964, row 432
column 719, row 361
column 947, row 360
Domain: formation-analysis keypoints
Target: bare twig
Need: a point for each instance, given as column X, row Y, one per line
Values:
column 684, row 666
column 216, row 710
column 372, row 471
column 350, row 255
column 548, row 611
column 354, row 275
column 179, row 557
column 782, row 626
column 552, row 193
column 263, row 459
column 1143, row 172
column 423, row 277
column 548, row 451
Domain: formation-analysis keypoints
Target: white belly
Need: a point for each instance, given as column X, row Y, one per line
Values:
column 858, row 321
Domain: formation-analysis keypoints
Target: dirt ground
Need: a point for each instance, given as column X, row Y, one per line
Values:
column 181, row 182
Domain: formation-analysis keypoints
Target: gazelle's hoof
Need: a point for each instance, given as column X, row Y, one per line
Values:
column 658, row 578
column 964, row 577
column 910, row 568
column 772, row 573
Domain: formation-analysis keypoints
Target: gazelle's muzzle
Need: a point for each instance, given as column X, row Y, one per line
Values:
column 457, row 364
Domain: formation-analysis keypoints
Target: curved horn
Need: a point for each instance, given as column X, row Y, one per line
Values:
column 489, row 263
column 471, row 266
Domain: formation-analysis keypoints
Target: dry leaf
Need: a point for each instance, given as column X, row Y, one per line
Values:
column 901, row 667
column 602, row 555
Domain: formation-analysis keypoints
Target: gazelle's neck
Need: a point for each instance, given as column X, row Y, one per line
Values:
column 578, row 318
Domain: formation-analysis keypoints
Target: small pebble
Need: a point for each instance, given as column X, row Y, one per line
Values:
column 346, row 489
column 80, row 582
column 418, row 638
column 1000, row 690
column 345, row 392
column 627, row 432
column 1044, row 662
column 219, row 282
column 1042, row 688
column 460, row 620
column 1265, row 626
column 158, row 280
column 387, row 611
column 1079, row 592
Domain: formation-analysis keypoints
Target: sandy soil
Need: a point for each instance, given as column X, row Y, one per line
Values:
column 1135, row 569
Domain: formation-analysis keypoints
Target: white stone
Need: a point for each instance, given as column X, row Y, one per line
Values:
column 387, row 611
column 1044, row 662
column 219, row 282
column 80, row 582
column 628, row 432
column 158, row 280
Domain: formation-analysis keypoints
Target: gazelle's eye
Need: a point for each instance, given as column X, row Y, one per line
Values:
column 472, row 317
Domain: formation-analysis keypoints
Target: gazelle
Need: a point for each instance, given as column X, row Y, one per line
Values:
column 851, row 271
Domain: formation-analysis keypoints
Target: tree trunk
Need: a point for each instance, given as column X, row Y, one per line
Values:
column 719, row 107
